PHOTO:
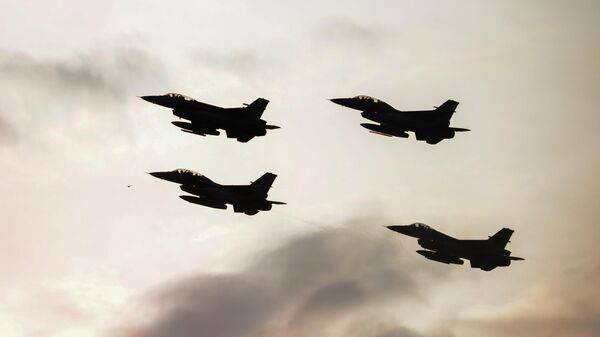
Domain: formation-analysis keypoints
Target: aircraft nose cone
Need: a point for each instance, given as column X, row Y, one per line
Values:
column 151, row 99
column 159, row 175
column 340, row 101
column 400, row 229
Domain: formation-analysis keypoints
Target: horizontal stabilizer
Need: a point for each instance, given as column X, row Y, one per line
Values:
column 516, row 258
column 272, row 127
column 277, row 202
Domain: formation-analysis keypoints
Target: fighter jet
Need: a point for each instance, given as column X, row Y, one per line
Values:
column 483, row 254
column 432, row 126
column 243, row 123
column 248, row 199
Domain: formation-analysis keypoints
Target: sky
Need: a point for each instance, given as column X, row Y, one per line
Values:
column 81, row 254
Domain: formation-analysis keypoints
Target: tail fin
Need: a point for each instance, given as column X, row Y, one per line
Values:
column 264, row 183
column 257, row 107
column 447, row 107
column 501, row 238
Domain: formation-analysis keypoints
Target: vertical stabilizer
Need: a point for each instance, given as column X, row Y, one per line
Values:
column 264, row 183
column 447, row 109
column 257, row 107
column 501, row 238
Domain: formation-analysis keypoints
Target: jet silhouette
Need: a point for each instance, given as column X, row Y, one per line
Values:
column 243, row 123
column 248, row 199
column 432, row 126
column 483, row 254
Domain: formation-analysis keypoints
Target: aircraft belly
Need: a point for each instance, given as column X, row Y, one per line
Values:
column 444, row 247
column 395, row 120
column 215, row 194
column 218, row 119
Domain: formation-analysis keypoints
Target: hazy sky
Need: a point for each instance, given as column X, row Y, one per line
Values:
column 82, row 255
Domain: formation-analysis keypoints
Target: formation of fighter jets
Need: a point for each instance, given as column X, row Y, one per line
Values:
column 245, row 123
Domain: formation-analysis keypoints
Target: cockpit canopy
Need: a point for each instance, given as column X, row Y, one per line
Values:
column 186, row 171
column 176, row 95
column 365, row 97
column 421, row 225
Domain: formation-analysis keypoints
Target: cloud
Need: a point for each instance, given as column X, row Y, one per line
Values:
column 113, row 73
column 7, row 132
column 242, row 63
column 372, row 327
column 313, row 285
column 564, row 306
column 338, row 30
column 86, row 93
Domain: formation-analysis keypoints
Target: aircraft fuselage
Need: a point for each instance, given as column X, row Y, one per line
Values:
column 408, row 121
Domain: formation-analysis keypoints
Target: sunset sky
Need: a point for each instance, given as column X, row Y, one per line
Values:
column 83, row 255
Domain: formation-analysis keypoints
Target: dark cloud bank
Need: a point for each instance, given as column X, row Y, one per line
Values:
column 317, row 284
column 348, row 281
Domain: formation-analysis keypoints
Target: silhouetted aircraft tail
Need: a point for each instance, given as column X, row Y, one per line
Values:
column 264, row 183
column 501, row 238
column 447, row 108
column 257, row 107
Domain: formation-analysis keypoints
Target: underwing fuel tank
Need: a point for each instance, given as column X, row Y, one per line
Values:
column 188, row 127
column 439, row 257
column 382, row 130
column 183, row 125
column 203, row 202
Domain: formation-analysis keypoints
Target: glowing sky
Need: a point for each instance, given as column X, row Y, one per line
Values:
column 83, row 255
